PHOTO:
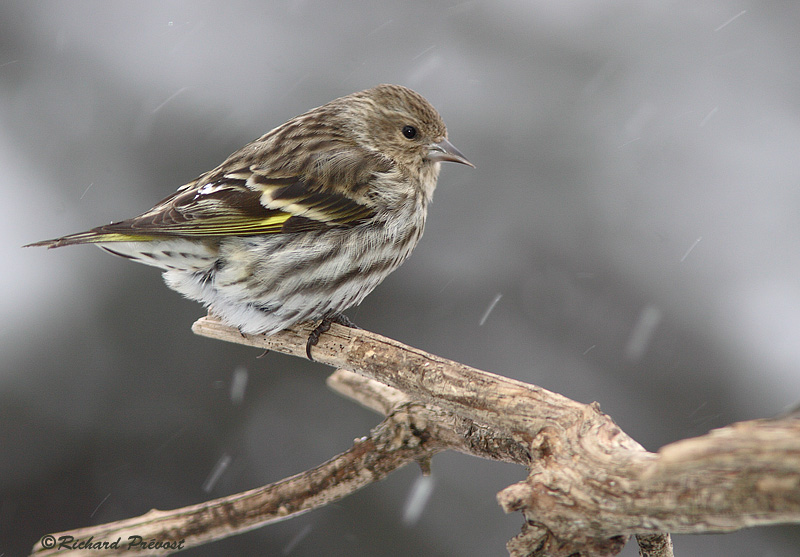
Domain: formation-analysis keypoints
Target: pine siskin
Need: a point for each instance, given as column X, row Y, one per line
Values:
column 303, row 222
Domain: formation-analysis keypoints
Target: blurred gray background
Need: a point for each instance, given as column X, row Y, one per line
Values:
column 634, row 208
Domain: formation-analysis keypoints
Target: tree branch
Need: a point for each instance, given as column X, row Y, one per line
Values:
column 395, row 442
column 589, row 485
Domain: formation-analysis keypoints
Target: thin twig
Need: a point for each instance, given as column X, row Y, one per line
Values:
column 394, row 443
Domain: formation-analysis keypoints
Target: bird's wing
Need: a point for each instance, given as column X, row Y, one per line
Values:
column 249, row 200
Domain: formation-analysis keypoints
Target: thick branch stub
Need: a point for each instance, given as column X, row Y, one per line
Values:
column 734, row 477
column 655, row 545
column 536, row 540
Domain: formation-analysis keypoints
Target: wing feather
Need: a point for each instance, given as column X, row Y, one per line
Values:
column 251, row 200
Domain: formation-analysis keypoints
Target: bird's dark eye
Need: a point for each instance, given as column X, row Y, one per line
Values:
column 410, row 132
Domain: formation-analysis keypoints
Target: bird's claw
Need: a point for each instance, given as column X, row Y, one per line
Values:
column 323, row 327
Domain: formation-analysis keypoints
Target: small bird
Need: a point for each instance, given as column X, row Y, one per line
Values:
column 303, row 222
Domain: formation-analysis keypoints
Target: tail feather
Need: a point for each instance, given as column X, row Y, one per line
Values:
column 89, row 237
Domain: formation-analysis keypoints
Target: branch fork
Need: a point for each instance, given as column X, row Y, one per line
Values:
column 589, row 486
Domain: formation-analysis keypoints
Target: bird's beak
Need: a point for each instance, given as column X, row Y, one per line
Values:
column 444, row 151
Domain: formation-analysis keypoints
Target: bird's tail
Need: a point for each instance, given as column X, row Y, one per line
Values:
column 95, row 236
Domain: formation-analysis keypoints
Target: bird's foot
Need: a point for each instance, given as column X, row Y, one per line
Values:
column 323, row 327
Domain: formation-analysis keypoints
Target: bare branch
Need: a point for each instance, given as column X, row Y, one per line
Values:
column 479, row 395
column 589, row 487
column 395, row 442
column 588, row 480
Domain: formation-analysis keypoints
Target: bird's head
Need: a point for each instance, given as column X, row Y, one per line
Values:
column 402, row 125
